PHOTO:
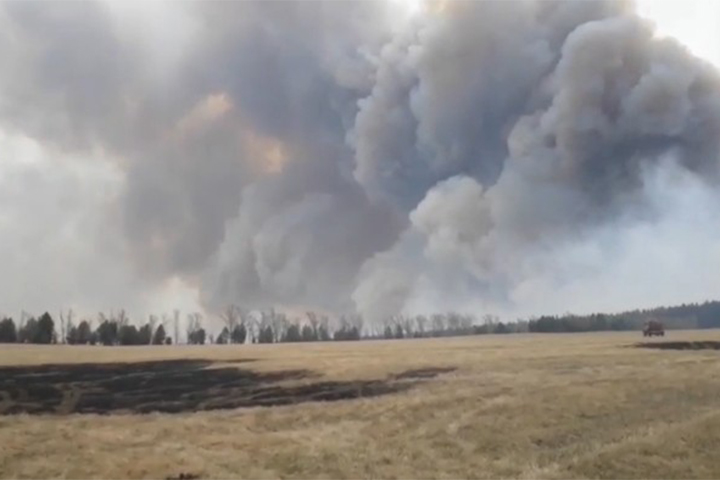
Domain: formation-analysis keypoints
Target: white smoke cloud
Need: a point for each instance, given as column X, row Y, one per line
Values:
column 669, row 251
column 58, row 247
column 614, row 101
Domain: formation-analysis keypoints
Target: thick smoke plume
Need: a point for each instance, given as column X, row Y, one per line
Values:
column 514, row 157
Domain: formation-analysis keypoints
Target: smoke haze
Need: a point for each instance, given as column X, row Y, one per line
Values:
column 518, row 158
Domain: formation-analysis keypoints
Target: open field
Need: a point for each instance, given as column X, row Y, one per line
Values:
column 516, row 406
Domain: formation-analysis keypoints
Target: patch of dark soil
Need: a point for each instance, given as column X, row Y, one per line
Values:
column 184, row 476
column 700, row 345
column 424, row 373
column 175, row 386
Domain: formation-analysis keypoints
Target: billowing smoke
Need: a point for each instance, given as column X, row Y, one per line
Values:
column 514, row 157
column 537, row 142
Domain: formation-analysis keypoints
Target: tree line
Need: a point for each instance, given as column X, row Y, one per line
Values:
column 113, row 330
column 240, row 326
column 685, row 316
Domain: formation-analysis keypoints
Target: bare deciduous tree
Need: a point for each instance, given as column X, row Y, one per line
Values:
column 467, row 321
column 176, row 326
column 388, row 323
column 358, row 322
column 453, row 320
column 314, row 322
column 408, row 325
column 152, row 323
column 231, row 317
column 324, row 328
column 421, row 321
column 121, row 318
column 438, row 322
column 279, row 323
column 343, row 323
column 490, row 320
column 24, row 317
column 253, row 326
column 165, row 321
column 66, row 324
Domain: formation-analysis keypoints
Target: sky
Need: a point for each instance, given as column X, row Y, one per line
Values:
column 695, row 23
column 374, row 157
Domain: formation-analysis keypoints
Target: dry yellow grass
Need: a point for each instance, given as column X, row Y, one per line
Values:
column 518, row 406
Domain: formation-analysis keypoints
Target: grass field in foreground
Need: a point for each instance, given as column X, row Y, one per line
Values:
column 516, row 406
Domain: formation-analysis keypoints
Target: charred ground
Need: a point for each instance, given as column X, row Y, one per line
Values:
column 682, row 345
column 177, row 386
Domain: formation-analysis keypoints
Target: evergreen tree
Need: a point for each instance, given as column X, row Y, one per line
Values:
column 323, row 333
column 197, row 337
column 128, row 335
column 159, row 337
column 308, row 334
column 107, row 333
column 266, row 335
column 388, row 332
column 501, row 328
column 8, row 331
column 239, row 334
column 72, row 335
column 45, row 333
column 224, row 337
column 292, row 334
column 145, row 335
column 28, row 331
column 84, row 334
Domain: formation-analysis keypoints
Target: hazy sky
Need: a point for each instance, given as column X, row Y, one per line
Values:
column 355, row 156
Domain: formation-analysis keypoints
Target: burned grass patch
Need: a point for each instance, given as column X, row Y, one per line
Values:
column 678, row 345
column 176, row 386
column 183, row 476
column 423, row 373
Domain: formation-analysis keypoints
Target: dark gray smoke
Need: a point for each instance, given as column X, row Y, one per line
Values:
column 481, row 155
